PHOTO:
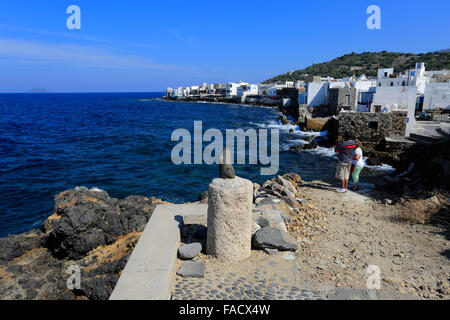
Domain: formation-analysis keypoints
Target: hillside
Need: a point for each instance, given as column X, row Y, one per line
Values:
column 367, row 63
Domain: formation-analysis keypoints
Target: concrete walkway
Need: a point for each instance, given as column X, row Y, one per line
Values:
column 430, row 131
column 149, row 272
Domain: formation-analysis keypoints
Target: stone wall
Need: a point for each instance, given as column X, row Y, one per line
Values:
column 372, row 127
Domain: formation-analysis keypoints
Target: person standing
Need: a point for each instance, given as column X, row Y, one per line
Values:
column 358, row 163
column 345, row 157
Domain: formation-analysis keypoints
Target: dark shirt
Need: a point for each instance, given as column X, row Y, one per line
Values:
column 345, row 150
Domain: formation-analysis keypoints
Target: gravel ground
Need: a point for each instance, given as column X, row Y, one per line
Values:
column 339, row 237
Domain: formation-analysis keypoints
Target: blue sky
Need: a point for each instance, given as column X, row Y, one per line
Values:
column 149, row 45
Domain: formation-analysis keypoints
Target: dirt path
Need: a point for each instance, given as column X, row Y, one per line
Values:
column 359, row 231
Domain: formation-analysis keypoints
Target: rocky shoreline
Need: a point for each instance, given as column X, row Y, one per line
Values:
column 383, row 151
column 98, row 233
column 88, row 229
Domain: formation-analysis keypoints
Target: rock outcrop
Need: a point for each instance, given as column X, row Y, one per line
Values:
column 85, row 219
column 421, row 167
column 282, row 204
column 88, row 230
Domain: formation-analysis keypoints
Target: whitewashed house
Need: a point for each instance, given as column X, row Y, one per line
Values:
column 211, row 89
column 194, row 90
column 252, row 89
column 316, row 94
column 234, row 89
column 284, row 84
column 396, row 98
column 169, row 92
column 268, row 91
column 365, row 90
column 414, row 77
column 437, row 96
column 179, row 92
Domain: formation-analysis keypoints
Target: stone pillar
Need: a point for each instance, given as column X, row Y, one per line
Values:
column 230, row 205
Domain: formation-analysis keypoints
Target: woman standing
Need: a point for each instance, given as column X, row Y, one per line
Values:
column 358, row 163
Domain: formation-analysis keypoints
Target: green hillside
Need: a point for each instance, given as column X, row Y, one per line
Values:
column 367, row 63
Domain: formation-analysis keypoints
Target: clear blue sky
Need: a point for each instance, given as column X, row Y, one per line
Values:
column 149, row 45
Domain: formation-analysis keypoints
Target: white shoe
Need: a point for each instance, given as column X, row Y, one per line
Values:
column 342, row 190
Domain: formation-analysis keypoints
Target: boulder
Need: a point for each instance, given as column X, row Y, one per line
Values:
column 310, row 146
column 85, row 219
column 189, row 251
column 316, row 124
column 259, row 219
column 15, row 246
column 192, row 269
column 294, row 178
column 283, row 119
column 272, row 238
column 297, row 147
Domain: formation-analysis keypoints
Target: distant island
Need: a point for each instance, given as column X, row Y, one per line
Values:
column 368, row 63
column 38, row 90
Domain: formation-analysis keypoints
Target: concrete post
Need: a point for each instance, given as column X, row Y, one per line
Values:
column 230, row 205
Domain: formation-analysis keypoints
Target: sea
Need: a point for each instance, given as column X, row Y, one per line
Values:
column 121, row 143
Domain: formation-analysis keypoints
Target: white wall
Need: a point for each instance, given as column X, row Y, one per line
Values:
column 437, row 96
column 404, row 98
column 317, row 94
column 364, row 85
column 337, row 84
column 253, row 89
column 381, row 73
column 272, row 92
column 234, row 89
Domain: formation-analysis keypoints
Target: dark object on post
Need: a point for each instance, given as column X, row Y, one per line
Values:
column 225, row 166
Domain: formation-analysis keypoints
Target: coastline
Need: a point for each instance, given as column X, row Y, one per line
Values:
column 98, row 233
column 334, row 235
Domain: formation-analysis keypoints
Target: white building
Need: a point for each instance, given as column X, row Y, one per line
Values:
column 234, row 89
column 365, row 89
column 284, row 84
column 396, row 98
column 179, row 92
column 337, row 84
column 194, row 90
column 169, row 92
column 437, row 96
column 412, row 78
column 267, row 91
column 316, row 94
column 252, row 89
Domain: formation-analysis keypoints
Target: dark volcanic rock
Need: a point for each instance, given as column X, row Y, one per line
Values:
column 89, row 230
column 14, row 246
column 85, row 219
column 272, row 238
column 192, row 269
column 296, row 148
column 283, row 119
column 310, row 146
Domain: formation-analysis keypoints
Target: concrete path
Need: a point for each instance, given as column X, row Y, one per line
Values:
column 429, row 131
column 149, row 272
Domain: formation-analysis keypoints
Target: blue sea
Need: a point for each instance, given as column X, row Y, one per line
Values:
column 121, row 143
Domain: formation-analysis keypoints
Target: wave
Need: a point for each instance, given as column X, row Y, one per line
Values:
column 384, row 167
